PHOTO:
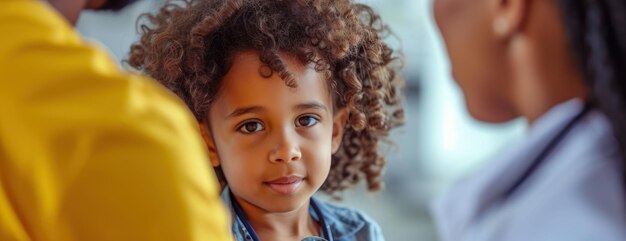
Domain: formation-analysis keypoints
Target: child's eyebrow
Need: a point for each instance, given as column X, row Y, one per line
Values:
column 244, row 110
column 311, row 105
column 252, row 109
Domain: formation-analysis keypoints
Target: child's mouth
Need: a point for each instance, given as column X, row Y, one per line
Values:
column 286, row 185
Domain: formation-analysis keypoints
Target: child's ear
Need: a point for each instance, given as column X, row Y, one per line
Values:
column 208, row 140
column 339, row 126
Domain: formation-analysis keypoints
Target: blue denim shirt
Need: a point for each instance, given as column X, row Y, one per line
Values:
column 346, row 224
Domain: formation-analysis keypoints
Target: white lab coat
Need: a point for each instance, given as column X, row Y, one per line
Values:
column 577, row 193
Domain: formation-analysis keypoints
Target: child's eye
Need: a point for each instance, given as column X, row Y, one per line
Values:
column 306, row 121
column 251, row 127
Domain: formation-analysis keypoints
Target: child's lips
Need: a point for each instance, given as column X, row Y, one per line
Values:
column 286, row 185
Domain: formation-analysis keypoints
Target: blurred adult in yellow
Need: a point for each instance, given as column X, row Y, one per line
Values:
column 89, row 152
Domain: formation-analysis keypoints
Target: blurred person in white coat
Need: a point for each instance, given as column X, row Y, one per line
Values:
column 561, row 65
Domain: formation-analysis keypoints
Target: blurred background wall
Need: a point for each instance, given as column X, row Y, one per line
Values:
column 438, row 144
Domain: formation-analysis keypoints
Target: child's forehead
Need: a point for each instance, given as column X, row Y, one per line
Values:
column 247, row 70
column 245, row 85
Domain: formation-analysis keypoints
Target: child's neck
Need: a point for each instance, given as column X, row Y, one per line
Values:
column 293, row 225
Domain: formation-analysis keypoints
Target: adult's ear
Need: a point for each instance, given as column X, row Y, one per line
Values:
column 509, row 16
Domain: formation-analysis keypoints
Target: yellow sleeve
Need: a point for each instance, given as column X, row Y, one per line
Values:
column 88, row 152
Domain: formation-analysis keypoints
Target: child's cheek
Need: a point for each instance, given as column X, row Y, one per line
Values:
column 250, row 141
column 317, row 133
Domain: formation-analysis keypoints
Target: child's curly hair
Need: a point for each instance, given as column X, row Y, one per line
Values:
column 188, row 46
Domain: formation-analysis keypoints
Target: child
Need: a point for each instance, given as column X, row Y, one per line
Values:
column 291, row 97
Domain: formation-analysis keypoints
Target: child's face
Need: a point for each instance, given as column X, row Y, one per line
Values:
column 273, row 142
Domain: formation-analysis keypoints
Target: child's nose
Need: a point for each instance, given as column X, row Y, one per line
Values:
column 286, row 148
column 285, row 155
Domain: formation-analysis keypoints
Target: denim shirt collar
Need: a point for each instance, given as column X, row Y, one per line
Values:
column 342, row 224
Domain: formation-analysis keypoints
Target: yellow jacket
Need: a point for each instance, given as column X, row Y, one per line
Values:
column 88, row 152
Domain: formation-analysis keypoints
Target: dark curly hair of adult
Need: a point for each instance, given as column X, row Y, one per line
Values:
column 188, row 47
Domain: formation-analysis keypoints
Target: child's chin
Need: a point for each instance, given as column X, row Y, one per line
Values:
column 285, row 204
